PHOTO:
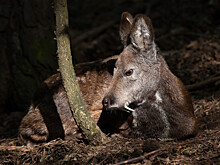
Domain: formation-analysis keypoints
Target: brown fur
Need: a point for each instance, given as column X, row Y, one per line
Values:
column 49, row 115
column 160, row 105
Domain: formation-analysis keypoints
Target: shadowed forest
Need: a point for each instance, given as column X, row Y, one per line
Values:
column 187, row 33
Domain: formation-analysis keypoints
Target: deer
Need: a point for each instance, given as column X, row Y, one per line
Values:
column 133, row 94
column 145, row 99
column 49, row 115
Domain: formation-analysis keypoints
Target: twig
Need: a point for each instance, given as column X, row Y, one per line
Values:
column 75, row 41
column 91, row 33
column 142, row 157
column 203, row 83
column 15, row 148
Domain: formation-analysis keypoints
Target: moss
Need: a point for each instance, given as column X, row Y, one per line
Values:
column 44, row 53
column 37, row 62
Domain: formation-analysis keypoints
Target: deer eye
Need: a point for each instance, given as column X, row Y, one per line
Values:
column 129, row 72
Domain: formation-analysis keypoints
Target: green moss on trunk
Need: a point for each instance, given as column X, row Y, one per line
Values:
column 84, row 121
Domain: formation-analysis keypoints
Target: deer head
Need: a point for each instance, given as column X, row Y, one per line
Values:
column 137, row 70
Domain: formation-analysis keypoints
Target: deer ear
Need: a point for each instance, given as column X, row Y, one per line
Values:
column 125, row 27
column 142, row 32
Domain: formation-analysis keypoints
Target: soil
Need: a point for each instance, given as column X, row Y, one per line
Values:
column 193, row 60
column 202, row 149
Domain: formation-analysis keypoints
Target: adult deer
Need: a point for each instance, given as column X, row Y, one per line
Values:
column 49, row 115
column 142, row 99
column 156, row 102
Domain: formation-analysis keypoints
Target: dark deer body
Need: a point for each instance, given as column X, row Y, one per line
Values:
column 157, row 103
column 142, row 99
column 49, row 115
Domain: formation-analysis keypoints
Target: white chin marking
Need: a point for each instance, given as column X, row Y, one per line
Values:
column 154, row 50
column 166, row 122
column 158, row 97
column 143, row 101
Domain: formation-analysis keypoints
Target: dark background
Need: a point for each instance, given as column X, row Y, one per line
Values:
column 28, row 49
column 187, row 32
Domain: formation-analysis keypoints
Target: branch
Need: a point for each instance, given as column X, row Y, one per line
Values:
column 203, row 83
column 91, row 33
column 83, row 120
column 142, row 157
column 95, row 31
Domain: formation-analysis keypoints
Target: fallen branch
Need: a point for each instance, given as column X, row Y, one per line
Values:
column 175, row 146
column 203, row 83
column 15, row 148
column 97, row 30
column 91, row 33
column 142, row 157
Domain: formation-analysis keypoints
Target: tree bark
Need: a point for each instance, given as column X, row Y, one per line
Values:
column 83, row 120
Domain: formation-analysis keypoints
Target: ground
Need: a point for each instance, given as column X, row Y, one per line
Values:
column 190, row 43
column 202, row 149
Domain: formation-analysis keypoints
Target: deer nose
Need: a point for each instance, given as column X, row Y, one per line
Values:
column 106, row 102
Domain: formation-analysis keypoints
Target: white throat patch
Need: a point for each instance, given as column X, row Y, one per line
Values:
column 158, row 97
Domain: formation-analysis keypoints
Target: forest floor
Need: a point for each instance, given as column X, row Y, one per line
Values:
column 192, row 59
column 195, row 63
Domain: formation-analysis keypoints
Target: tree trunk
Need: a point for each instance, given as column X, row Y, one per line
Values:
column 84, row 121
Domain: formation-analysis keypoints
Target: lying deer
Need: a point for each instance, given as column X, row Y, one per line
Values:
column 49, row 115
column 156, row 103
column 144, row 98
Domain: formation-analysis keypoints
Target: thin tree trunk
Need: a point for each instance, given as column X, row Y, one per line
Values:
column 84, row 121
